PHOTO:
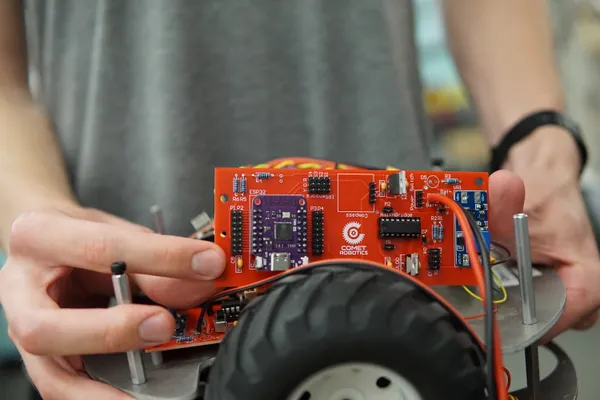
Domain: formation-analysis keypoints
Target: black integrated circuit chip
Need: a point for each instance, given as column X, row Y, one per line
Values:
column 405, row 227
column 284, row 231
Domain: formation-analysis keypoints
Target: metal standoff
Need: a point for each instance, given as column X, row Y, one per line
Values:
column 521, row 227
column 123, row 296
column 157, row 358
column 159, row 227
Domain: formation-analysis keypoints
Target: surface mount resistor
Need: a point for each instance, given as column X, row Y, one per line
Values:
column 243, row 185
column 451, row 181
column 263, row 175
column 236, row 184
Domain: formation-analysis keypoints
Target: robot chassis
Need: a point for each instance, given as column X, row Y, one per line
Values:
column 531, row 310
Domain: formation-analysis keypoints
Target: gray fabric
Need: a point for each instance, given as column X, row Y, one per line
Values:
column 148, row 96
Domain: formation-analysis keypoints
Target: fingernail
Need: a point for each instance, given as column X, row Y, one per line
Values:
column 155, row 329
column 208, row 263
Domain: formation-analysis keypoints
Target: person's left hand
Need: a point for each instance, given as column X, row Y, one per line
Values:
column 544, row 169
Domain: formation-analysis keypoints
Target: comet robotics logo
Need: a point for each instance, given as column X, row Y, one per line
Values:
column 352, row 233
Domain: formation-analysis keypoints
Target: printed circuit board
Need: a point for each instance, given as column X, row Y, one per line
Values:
column 272, row 220
column 268, row 221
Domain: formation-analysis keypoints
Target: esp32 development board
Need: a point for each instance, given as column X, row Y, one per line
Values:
column 271, row 220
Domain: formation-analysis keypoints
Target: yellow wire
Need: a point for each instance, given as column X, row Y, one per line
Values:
column 499, row 282
column 308, row 166
column 511, row 397
column 284, row 163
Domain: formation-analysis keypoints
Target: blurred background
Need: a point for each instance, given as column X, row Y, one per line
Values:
column 577, row 41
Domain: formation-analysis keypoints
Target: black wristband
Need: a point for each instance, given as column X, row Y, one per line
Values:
column 528, row 125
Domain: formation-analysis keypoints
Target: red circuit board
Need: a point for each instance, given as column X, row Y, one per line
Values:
column 191, row 337
column 352, row 204
column 351, row 212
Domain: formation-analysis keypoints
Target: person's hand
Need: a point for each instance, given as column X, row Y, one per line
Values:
column 56, row 283
column 560, row 231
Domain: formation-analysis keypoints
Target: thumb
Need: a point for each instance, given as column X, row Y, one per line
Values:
column 506, row 197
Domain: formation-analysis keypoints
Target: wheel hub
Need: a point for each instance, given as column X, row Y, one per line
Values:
column 355, row 381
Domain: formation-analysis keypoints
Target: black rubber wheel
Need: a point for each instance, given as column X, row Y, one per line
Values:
column 337, row 314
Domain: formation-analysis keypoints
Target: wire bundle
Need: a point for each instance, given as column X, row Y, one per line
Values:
column 483, row 275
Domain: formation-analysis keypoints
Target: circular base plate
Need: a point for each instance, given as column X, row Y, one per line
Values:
column 177, row 378
column 550, row 298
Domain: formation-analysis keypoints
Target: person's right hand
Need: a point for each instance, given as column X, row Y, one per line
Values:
column 56, row 283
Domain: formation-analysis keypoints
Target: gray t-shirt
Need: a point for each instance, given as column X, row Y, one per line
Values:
column 148, row 96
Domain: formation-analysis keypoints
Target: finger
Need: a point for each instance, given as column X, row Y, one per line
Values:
column 53, row 239
column 91, row 331
column 507, row 197
column 175, row 293
column 55, row 383
column 100, row 216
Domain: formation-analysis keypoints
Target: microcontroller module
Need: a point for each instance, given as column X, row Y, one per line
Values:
column 279, row 232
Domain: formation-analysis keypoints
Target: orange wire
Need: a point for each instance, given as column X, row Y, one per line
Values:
column 478, row 270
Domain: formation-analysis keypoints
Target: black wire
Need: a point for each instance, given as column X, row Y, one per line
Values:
column 489, row 306
column 503, row 249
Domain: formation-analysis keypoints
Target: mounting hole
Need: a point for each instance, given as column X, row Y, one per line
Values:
column 257, row 202
column 478, row 181
column 305, row 396
column 302, row 202
column 224, row 198
column 223, row 234
column 383, row 382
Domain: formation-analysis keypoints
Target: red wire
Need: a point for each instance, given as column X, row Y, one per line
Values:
column 478, row 270
column 481, row 315
column 508, row 378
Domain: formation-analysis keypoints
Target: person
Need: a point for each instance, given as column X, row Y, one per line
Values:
column 108, row 107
